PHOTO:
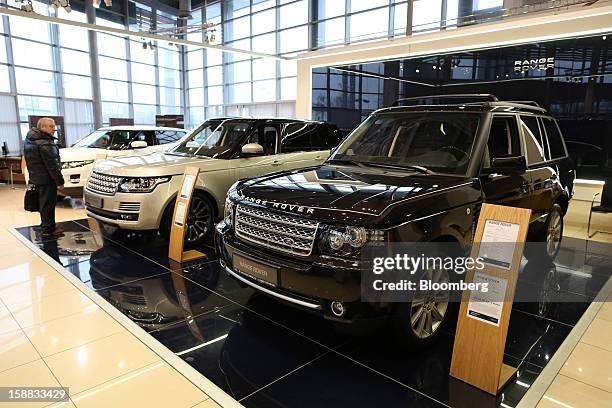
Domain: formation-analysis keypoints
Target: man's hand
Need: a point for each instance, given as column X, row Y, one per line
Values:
column 60, row 187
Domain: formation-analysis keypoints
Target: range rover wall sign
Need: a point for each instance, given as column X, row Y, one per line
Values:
column 539, row 64
column 407, row 174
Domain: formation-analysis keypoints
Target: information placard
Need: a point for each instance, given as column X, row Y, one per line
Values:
column 498, row 243
column 480, row 338
column 487, row 306
column 180, row 219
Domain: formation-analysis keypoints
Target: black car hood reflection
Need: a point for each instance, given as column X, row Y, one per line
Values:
column 363, row 192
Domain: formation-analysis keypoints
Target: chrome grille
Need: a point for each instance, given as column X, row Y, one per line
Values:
column 103, row 183
column 133, row 207
column 284, row 233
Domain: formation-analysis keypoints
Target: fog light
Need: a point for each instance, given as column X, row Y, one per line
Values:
column 338, row 309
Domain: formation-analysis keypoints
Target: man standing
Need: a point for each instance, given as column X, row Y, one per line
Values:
column 45, row 170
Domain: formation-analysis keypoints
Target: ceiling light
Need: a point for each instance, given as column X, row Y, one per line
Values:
column 53, row 6
column 96, row 3
column 108, row 3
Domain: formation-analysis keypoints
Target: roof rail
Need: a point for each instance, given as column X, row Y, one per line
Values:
column 467, row 97
column 530, row 103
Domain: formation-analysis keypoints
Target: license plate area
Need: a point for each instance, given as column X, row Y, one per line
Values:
column 93, row 201
column 261, row 272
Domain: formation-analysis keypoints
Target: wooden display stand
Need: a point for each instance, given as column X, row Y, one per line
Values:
column 176, row 251
column 480, row 338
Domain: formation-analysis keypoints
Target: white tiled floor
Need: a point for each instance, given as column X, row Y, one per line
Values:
column 51, row 334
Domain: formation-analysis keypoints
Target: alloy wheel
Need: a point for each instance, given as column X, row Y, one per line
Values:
column 199, row 220
column 428, row 309
column 553, row 234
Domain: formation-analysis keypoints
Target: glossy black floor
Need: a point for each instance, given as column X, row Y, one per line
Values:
column 267, row 354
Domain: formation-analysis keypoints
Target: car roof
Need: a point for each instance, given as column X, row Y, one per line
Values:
column 143, row 127
column 469, row 107
column 266, row 119
column 463, row 102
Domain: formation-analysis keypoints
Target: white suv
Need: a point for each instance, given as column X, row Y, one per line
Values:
column 77, row 161
column 138, row 193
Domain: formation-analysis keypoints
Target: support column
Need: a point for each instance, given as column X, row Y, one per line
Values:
column 95, row 68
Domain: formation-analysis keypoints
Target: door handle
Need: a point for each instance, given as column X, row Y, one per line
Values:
column 277, row 163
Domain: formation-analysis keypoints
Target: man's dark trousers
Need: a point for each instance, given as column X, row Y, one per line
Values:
column 47, row 197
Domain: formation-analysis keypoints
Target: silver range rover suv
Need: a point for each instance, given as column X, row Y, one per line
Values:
column 139, row 193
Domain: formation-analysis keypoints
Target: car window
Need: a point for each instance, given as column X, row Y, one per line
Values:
column 168, row 136
column 298, row 137
column 214, row 138
column 440, row 141
column 503, row 139
column 533, row 139
column 330, row 137
column 120, row 139
column 100, row 139
column 555, row 141
column 266, row 136
column 143, row 136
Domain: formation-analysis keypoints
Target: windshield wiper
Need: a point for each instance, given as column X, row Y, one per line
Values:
column 421, row 169
column 346, row 161
column 175, row 153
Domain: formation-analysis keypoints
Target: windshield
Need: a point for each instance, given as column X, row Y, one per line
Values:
column 105, row 139
column 213, row 138
column 438, row 141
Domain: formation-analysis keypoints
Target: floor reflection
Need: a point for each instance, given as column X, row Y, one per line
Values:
column 268, row 354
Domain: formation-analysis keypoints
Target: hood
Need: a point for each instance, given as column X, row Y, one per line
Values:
column 36, row 134
column 350, row 193
column 156, row 164
column 69, row 154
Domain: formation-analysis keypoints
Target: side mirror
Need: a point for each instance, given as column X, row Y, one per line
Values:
column 252, row 149
column 509, row 165
column 138, row 144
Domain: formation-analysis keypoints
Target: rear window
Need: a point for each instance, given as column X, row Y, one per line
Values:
column 299, row 137
column 533, row 139
column 555, row 141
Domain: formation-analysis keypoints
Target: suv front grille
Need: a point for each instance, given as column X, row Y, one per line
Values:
column 284, row 233
column 103, row 183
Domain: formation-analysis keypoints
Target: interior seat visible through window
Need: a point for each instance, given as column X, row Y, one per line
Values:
column 503, row 140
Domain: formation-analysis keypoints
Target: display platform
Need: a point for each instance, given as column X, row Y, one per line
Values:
column 267, row 354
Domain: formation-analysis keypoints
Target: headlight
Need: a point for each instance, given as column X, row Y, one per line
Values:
column 74, row 164
column 141, row 184
column 347, row 241
column 228, row 212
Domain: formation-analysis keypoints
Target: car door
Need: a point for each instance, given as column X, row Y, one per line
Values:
column 504, row 141
column 266, row 135
column 303, row 145
column 542, row 174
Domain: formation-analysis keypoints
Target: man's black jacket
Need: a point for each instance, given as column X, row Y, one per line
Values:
column 43, row 158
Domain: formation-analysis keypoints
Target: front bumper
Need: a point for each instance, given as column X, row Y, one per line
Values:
column 133, row 211
column 75, row 180
column 310, row 284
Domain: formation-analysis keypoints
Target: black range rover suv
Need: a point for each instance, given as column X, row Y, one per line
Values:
column 406, row 174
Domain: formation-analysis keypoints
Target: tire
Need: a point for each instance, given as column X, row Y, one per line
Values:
column 552, row 232
column 420, row 322
column 200, row 220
